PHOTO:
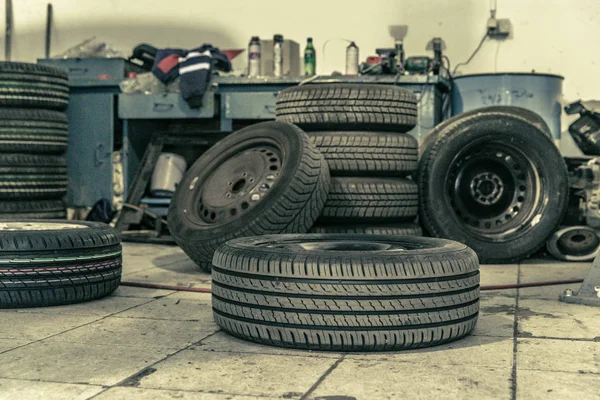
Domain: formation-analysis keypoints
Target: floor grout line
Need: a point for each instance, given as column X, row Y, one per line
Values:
column 194, row 391
column 50, row 381
column 147, row 368
column 322, row 377
column 513, row 378
column 76, row 327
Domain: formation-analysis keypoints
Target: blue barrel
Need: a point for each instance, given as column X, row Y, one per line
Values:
column 540, row 93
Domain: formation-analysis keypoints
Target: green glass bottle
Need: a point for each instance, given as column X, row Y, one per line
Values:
column 310, row 58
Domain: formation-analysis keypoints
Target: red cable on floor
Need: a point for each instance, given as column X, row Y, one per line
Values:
column 488, row 287
column 166, row 287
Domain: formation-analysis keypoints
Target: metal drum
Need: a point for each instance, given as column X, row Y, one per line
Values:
column 540, row 93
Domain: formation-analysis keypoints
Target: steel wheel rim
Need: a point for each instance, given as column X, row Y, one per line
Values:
column 494, row 190
column 237, row 182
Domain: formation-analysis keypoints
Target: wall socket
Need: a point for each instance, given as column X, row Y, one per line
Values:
column 498, row 28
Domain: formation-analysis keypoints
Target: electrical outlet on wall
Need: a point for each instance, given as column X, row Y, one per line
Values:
column 498, row 28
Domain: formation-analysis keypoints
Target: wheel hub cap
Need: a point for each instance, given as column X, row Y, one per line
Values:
column 486, row 188
column 239, row 183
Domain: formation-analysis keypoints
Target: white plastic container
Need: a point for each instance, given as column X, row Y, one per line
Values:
column 167, row 174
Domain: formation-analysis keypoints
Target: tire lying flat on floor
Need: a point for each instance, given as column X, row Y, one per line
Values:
column 402, row 229
column 264, row 179
column 346, row 106
column 33, row 209
column 32, row 85
column 28, row 176
column 33, row 131
column 354, row 199
column 48, row 263
column 346, row 292
column 495, row 181
column 367, row 153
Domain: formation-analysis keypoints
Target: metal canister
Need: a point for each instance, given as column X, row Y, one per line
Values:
column 278, row 55
column 254, row 57
column 352, row 59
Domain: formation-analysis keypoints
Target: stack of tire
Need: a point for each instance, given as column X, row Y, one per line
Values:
column 33, row 140
column 233, row 214
column 361, row 131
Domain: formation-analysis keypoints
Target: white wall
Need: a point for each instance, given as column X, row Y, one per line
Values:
column 556, row 36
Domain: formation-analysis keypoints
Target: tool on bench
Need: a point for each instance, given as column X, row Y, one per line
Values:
column 49, row 16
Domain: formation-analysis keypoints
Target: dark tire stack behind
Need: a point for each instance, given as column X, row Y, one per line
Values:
column 33, row 140
column 360, row 129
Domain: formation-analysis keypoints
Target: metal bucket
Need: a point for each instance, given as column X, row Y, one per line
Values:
column 540, row 93
column 167, row 174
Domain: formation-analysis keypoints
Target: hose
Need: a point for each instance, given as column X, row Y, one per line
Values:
column 483, row 288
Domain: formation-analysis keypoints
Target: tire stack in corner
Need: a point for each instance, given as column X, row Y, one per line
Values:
column 33, row 140
column 361, row 131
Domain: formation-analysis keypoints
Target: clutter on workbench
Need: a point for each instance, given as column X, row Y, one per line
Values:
column 310, row 58
column 254, row 57
column 91, row 48
column 352, row 59
column 193, row 67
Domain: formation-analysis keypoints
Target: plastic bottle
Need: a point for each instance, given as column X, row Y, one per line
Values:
column 254, row 57
column 278, row 55
column 310, row 58
column 352, row 59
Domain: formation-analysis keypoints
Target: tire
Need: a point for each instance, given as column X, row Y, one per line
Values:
column 344, row 106
column 512, row 222
column 371, row 199
column 35, row 209
column 346, row 292
column 367, row 153
column 574, row 243
column 292, row 202
column 403, row 229
column 32, row 85
column 533, row 117
column 33, row 131
column 57, row 262
column 26, row 176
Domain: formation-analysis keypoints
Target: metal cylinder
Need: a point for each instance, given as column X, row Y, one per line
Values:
column 574, row 243
column 352, row 59
column 540, row 93
column 167, row 174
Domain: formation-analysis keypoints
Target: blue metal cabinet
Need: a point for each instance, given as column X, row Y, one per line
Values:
column 93, row 125
column 91, row 143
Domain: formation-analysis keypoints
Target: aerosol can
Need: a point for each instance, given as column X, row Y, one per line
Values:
column 352, row 59
column 254, row 57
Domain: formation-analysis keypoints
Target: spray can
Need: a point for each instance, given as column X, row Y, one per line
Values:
column 352, row 59
column 254, row 57
column 278, row 55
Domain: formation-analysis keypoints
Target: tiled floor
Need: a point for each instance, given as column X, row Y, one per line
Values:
column 146, row 343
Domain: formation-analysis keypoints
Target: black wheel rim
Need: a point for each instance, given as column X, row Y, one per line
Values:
column 238, row 181
column 578, row 242
column 494, row 190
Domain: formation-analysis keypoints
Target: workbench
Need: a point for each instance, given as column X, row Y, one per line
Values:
column 103, row 122
column 232, row 101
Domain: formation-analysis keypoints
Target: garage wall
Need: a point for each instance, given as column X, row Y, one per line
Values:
column 549, row 35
